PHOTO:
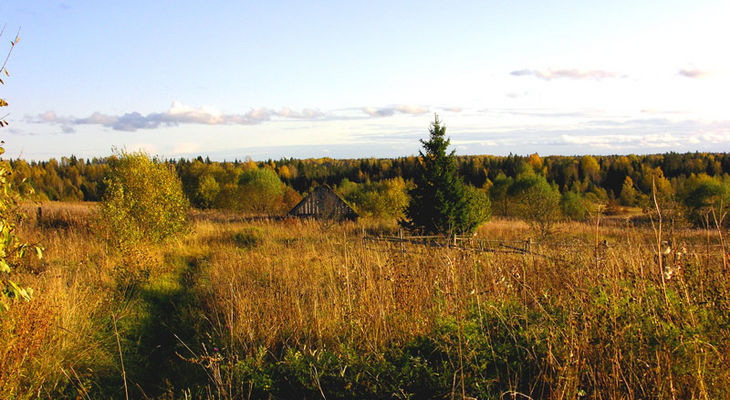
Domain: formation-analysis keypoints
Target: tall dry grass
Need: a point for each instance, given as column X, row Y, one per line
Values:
column 53, row 343
column 594, row 320
column 294, row 308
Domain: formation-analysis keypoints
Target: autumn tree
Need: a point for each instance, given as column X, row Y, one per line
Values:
column 628, row 194
column 573, row 206
column 261, row 190
column 499, row 192
column 207, row 191
column 385, row 199
column 537, row 202
column 12, row 249
column 706, row 198
column 143, row 201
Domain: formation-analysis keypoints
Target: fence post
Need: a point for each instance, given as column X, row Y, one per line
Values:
column 528, row 245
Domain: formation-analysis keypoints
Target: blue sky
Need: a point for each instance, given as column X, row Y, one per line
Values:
column 270, row 79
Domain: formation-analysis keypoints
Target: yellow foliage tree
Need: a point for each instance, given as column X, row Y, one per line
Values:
column 12, row 249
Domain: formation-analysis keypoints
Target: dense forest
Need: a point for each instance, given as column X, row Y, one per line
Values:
column 378, row 186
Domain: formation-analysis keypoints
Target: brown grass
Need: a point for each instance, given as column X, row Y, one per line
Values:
column 303, row 284
column 309, row 286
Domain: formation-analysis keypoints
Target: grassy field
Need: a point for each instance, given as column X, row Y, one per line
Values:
column 302, row 309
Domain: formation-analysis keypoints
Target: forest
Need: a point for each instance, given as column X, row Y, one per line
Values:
column 378, row 187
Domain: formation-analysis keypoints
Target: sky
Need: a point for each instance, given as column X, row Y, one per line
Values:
column 351, row 79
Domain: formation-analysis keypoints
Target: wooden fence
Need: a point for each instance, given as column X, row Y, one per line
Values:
column 456, row 242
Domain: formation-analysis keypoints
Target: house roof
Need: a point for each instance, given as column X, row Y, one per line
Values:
column 323, row 202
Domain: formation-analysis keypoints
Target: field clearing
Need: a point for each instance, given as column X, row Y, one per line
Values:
column 294, row 309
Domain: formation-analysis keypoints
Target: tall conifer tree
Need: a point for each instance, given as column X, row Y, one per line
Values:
column 440, row 201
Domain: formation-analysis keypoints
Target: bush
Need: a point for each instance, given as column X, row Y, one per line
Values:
column 248, row 238
column 207, row 191
column 573, row 206
column 385, row 199
column 538, row 202
column 261, row 191
column 143, row 201
column 704, row 195
column 12, row 249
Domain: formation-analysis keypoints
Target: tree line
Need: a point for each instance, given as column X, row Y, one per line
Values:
column 377, row 186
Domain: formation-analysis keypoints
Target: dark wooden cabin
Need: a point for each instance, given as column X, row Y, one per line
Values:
column 323, row 203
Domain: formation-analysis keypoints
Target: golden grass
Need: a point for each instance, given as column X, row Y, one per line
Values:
column 305, row 284
column 316, row 286
column 53, row 340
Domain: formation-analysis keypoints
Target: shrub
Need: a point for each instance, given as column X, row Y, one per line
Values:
column 144, row 201
column 573, row 206
column 261, row 190
column 248, row 238
column 207, row 191
column 537, row 202
column 385, row 199
column 12, row 248
column 704, row 195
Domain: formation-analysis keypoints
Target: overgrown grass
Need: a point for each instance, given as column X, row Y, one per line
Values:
column 295, row 309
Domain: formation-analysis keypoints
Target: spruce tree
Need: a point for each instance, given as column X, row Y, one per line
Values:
column 441, row 202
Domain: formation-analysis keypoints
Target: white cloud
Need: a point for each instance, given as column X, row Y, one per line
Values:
column 307, row 113
column 67, row 129
column 550, row 74
column 96, row 119
column 146, row 147
column 186, row 148
column 713, row 137
column 178, row 113
column 397, row 109
column 693, row 73
column 48, row 116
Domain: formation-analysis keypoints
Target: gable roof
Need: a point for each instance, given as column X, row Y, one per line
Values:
column 323, row 202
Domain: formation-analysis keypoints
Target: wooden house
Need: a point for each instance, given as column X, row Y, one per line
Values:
column 323, row 203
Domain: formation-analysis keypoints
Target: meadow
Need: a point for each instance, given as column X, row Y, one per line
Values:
column 307, row 309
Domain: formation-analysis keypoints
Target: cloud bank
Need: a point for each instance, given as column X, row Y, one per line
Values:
column 399, row 109
column 179, row 114
column 692, row 73
column 550, row 74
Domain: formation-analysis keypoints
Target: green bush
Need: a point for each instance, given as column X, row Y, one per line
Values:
column 573, row 206
column 248, row 238
column 385, row 199
column 704, row 195
column 143, row 201
column 12, row 249
column 537, row 202
column 261, row 191
column 207, row 191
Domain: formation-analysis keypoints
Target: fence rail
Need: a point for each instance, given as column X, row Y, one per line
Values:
column 458, row 242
